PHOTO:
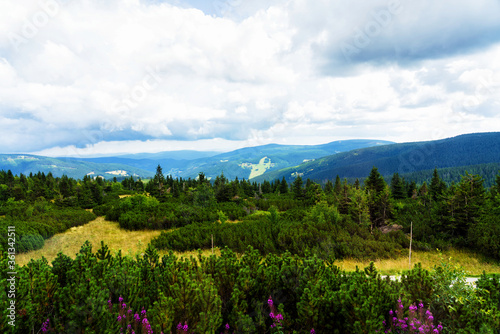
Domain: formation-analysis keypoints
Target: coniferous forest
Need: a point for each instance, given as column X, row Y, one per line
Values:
column 276, row 272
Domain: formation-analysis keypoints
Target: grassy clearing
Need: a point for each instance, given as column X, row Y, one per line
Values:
column 473, row 264
column 130, row 242
column 135, row 242
column 70, row 242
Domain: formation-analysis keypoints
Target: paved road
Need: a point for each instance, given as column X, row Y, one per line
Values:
column 470, row 280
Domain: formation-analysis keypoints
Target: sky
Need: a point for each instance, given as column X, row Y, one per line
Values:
column 92, row 77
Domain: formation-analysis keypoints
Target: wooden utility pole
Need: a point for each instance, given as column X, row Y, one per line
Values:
column 411, row 237
column 212, row 244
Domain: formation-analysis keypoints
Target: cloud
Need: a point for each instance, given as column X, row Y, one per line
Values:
column 395, row 31
column 85, row 76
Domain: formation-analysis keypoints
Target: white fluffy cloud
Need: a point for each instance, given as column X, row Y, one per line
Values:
column 91, row 77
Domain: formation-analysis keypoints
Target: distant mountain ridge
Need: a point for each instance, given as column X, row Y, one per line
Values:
column 248, row 162
column 463, row 150
column 74, row 168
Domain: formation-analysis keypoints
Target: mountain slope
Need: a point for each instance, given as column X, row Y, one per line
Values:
column 252, row 161
column 245, row 163
column 464, row 150
column 74, row 168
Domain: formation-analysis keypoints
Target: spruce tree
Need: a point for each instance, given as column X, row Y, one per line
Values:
column 397, row 187
column 297, row 187
column 437, row 186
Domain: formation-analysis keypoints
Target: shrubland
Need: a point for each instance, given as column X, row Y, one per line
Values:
column 100, row 292
column 288, row 237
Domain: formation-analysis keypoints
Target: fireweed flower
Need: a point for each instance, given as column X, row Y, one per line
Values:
column 419, row 320
column 313, row 331
column 275, row 316
column 120, row 299
column 227, row 327
column 45, row 326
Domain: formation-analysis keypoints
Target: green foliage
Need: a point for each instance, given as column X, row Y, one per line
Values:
column 39, row 221
column 84, row 294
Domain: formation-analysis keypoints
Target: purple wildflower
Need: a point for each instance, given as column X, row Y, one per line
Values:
column 45, row 326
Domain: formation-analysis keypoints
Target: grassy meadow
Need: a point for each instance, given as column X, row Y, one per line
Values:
column 135, row 242
column 130, row 242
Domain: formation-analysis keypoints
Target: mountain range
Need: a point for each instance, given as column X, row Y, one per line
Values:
column 348, row 159
column 407, row 158
column 248, row 162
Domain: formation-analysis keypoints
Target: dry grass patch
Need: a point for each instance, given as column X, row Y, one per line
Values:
column 473, row 264
column 188, row 254
column 130, row 242
column 70, row 242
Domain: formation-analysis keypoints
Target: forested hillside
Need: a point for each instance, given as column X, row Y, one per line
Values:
column 460, row 151
column 246, row 163
column 75, row 168
column 243, row 163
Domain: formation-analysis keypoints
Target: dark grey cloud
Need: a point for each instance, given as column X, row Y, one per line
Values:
column 403, row 32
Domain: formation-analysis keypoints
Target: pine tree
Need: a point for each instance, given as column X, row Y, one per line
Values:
column 297, row 188
column 158, row 183
column 358, row 207
column 397, row 187
column 437, row 186
column 469, row 199
column 337, row 188
column 375, row 182
column 283, row 186
column 329, row 187
column 378, row 198
column 357, row 184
